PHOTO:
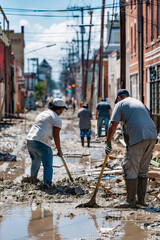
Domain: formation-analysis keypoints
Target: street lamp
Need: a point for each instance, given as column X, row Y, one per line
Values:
column 36, row 59
column 51, row 45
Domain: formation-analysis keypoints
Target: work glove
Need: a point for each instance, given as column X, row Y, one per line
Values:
column 60, row 153
column 108, row 147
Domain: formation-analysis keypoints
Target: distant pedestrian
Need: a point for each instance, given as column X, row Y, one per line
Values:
column 103, row 114
column 74, row 106
column 67, row 103
column 70, row 102
column 85, row 117
column 47, row 126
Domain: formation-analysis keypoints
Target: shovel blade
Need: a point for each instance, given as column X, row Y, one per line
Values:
column 90, row 204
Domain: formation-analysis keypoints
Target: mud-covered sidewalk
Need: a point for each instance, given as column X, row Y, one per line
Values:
column 32, row 211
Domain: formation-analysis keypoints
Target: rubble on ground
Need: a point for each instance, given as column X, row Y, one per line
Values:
column 84, row 164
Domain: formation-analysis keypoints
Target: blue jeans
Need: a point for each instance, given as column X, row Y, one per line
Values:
column 100, row 121
column 39, row 152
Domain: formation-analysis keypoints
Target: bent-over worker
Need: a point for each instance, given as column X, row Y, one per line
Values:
column 47, row 126
column 140, row 137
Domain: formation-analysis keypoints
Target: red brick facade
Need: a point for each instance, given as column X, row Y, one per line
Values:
column 151, row 54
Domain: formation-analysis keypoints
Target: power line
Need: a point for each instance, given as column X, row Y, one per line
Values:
column 71, row 9
column 58, row 10
column 47, row 16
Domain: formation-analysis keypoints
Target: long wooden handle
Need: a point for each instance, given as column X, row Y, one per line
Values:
column 67, row 170
column 100, row 176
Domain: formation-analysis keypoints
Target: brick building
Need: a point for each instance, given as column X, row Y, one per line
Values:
column 144, row 61
column 151, row 12
column 17, row 46
column 133, row 51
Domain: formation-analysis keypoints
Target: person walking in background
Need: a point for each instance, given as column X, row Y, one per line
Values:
column 140, row 137
column 47, row 126
column 85, row 117
column 74, row 106
column 103, row 113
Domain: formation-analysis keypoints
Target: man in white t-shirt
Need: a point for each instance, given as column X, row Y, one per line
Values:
column 46, row 127
column 140, row 137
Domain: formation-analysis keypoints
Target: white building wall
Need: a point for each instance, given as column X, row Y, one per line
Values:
column 113, row 77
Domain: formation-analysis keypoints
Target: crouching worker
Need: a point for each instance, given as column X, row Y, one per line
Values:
column 47, row 126
column 140, row 137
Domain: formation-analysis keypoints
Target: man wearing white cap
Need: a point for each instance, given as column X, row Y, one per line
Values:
column 47, row 126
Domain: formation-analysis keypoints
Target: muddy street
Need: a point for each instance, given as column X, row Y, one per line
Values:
column 30, row 211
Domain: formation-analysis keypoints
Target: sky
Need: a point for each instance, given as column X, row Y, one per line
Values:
column 40, row 31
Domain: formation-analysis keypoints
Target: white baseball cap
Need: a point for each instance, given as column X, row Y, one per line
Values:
column 58, row 102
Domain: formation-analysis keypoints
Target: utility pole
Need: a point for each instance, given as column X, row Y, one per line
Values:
column 82, row 9
column 101, row 53
column 86, row 72
column 77, row 45
column 93, row 79
column 122, row 44
column 140, row 47
column 82, row 60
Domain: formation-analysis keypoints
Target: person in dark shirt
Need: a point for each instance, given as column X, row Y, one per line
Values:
column 103, row 113
column 85, row 116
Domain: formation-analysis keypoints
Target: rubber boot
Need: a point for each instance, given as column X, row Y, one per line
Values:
column 88, row 142
column 141, row 190
column 131, row 186
column 82, row 141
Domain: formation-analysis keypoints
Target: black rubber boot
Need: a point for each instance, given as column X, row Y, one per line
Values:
column 141, row 190
column 131, row 186
column 88, row 142
column 82, row 141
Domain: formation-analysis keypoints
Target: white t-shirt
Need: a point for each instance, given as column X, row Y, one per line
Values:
column 42, row 130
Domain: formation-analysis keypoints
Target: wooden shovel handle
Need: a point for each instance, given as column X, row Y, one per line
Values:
column 100, row 176
column 67, row 170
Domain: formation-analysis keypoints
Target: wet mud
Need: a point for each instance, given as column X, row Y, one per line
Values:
column 34, row 211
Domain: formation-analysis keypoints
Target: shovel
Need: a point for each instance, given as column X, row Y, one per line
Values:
column 67, row 170
column 92, row 203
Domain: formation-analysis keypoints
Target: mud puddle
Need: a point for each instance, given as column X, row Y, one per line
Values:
column 58, row 162
column 30, row 222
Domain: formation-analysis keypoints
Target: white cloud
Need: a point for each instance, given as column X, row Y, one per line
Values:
column 24, row 23
column 57, row 33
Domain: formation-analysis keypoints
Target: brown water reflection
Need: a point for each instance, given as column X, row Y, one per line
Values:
column 22, row 222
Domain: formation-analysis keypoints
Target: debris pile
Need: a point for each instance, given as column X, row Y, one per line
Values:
column 7, row 157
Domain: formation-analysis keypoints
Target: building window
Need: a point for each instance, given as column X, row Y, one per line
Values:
column 153, row 84
column 131, row 40
column 134, row 87
column 152, row 21
column 131, row 4
column 135, row 37
column 158, row 18
column 116, row 37
column 135, row 3
column 146, row 23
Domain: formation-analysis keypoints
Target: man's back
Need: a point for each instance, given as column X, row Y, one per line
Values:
column 103, row 109
column 84, row 115
column 138, row 125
